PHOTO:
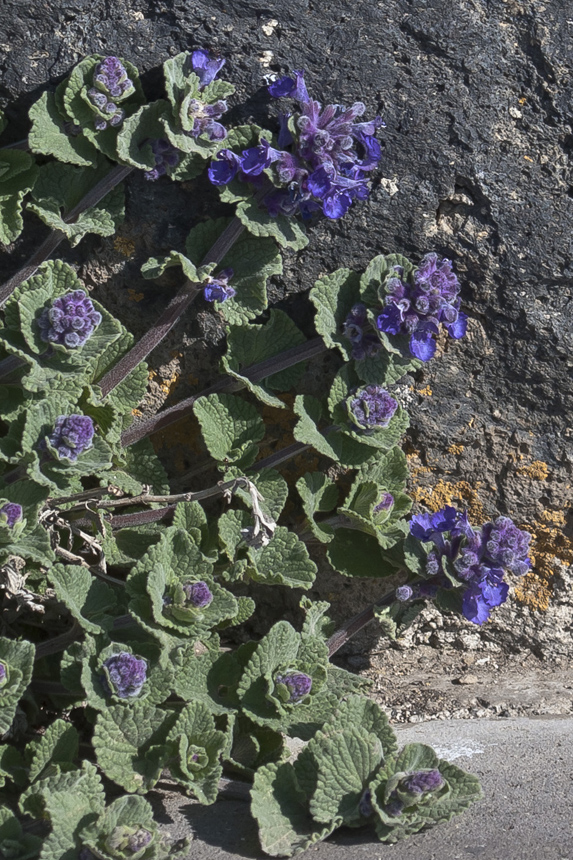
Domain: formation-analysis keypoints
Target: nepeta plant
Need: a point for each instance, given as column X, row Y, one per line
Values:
column 141, row 586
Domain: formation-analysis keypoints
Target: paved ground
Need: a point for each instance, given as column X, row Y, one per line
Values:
column 526, row 768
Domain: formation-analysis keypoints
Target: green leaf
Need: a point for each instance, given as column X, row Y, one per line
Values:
column 284, row 560
column 208, row 678
column 355, row 553
column 58, row 745
column 85, row 596
column 69, row 800
column 142, row 463
column 231, row 427
column 60, row 187
column 376, row 274
column 250, row 344
column 136, row 133
column 156, row 266
column 316, row 622
column 287, row 232
column 128, row 741
column 384, row 368
column 334, row 297
column 18, row 175
column 361, row 712
column 347, row 762
column 195, row 735
column 14, row 843
column 179, row 79
column 309, row 410
column 18, row 661
column 280, row 806
column 319, row 495
column 48, row 136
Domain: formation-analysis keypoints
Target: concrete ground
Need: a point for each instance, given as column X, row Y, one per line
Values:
column 526, row 769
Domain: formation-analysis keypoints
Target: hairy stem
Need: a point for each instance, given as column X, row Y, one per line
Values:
column 358, row 622
column 49, row 245
column 254, row 373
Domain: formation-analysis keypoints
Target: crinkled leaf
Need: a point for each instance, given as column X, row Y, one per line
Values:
column 128, row 744
column 14, row 843
column 18, row 175
column 287, row 232
column 319, row 494
column 137, row 132
column 48, row 136
column 284, row 560
column 354, row 553
column 195, row 730
column 85, row 596
column 18, row 660
column 333, row 297
column 156, row 266
column 58, row 745
column 231, row 427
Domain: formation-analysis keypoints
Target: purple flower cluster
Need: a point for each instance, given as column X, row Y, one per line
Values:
column 3, row 674
column 10, row 514
column 111, row 81
column 218, row 289
column 126, row 675
column 72, row 435
column 416, row 306
column 297, row 683
column 198, row 594
column 477, row 560
column 165, row 154
column 70, row 321
column 204, row 116
column 371, row 408
column 139, row 840
column 355, row 328
column 322, row 162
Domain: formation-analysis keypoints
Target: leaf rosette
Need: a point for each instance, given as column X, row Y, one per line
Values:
column 18, row 174
column 288, row 684
column 126, row 831
column 174, row 595
column 14, row 843
column 194, row 748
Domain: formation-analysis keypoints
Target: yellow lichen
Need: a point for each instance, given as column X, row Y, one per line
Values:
column 549, row 543
column 167, row 386
column 537, row 470
column 455, row 449
column 446, row 493
column 137, row 412
column 124, row 246
column 425, row 392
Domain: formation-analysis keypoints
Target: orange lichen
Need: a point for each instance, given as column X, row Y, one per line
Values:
column 167, row 386
column 455, row 449
column 133, row 296
column 124, row 246
column 549, row 543
column 425, row 392
column 537, row 470
column 137, row 412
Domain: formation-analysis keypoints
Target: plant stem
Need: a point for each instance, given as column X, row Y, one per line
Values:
column 171, row 315
column 19, row 144
column 254, row 373
column 10, row 365
column 49, row 245
column 358, row 622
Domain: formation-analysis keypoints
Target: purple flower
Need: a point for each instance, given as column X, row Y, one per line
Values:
column 139, row 840
column 166, row 155
column 125, row 675
column 218, row 289
column 365, row 805
column 404, row 593
column 3, row 674
column 371, row 408
column 426, row 526
column 72, row 435
column 385, row 503
column 206, row 67
column 327, row 161
column 297, row 683
column 422, row 781
column 204, row 119
column 198, row 594
column 70, row 321
column 416, row 306
column 355, row 328
column 10, row 514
